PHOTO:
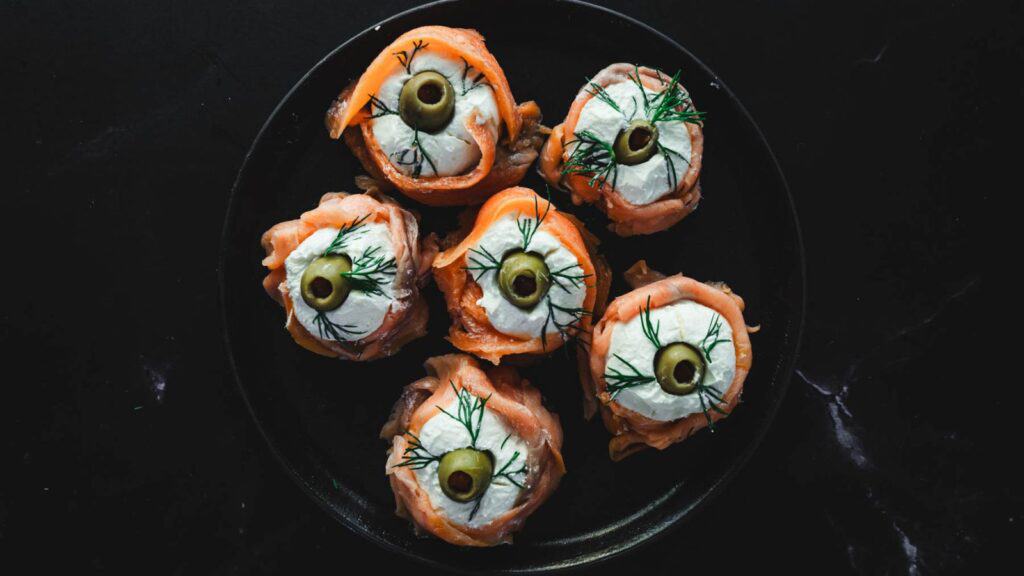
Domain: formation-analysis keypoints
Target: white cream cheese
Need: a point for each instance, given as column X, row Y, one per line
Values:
column 504, row 236
column 451, row 150
column 642, row 183
column 361, row 313
column 685, row 321
column 442, row 434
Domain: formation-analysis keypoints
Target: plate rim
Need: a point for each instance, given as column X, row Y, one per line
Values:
column 634, row 542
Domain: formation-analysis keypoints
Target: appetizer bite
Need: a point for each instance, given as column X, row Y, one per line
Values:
column 522, row 281
column 473, row 452
column 666, row 360
column 348, row 274
column 631, row 143
column 434, row 116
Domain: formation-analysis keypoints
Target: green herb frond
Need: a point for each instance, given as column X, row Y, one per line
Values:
column 482, row 262
column 329, row 329
column 592, row 156
column 598, row 91
column 711, row 339
column 471, row 83
column 507, row 473
column 405, row 57
column 635, row 77
column 565, row 275
column 416, row 456
column 670, row 165
column 346, row 233
column 371, row 272
column 468, row 406
column 673, row 104
column 414, row 156
column 382, row 109
column 528, row 226
column 618, row 380
column 650, row 330
column 709, row 401
column 567, row 328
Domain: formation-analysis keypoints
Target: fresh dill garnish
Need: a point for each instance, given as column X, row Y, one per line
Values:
column 416, row 456
column 528, row 227
column 617, row 380
column 592, row 156
column 711, row 338
column 414, row 156
column 346, row 233
column 567, row 276
column 336, row 332
column 635, row 77
column 483, row 262
column 598, row 91
column 670, row 164
column 405, row 57
column 650, row 330
column 474, row 82
column 673, row 104
column 502, row 447
column 566, row 329
column 709, row 400
column 382, row 108
column 468, row 405
column 476, row 506
column 370, row 272
column 507, row 474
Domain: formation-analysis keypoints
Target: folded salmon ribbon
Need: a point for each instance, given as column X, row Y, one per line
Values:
column 520, row 278
column 632, row 144
column 348, row 274
column 666, row 360
column 433, row 116
column 473, row 452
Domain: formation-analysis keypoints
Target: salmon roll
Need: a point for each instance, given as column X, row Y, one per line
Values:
column 631, row 144
column 348, row 274
column 520, row 279
column 666, row 360
column 473, row 452
column 434, row 117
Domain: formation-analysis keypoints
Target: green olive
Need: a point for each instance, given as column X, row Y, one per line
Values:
column 465, row 473
column 637, row 143
column 427, row 101
column 679, row 368
column 524, row 278
column 323, row 286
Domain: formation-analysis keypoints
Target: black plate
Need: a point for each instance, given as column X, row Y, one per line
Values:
column 321, row 417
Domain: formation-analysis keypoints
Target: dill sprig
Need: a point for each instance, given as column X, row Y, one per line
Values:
column 468, row 405
column 564, row 276
column 382, row 108
column 567, row 330
column 650, row 330
column 635, row 77
column 528, row 227
column 337, row 332
column 482, row 262
column 598, row 91
column 416, row 456
column 405, row 57
column 617, row 380
column 506, row 473
column 474, row 82
column 709, row 401
column 370, row 272
column 673, row 104
column 414, row 156
column 592, row 156
column 670, row 164
column 711, row 339
column 346, row 233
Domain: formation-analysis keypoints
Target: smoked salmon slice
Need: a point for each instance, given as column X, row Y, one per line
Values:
column 631, row 430
column 406, row 316
column 455, row 388
column 627, row 218
column 503, row 160
column 472, row 330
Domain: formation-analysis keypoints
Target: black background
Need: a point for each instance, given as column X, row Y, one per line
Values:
column 126, row 446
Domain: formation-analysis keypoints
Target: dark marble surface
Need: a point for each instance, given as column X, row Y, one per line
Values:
column 126, row 446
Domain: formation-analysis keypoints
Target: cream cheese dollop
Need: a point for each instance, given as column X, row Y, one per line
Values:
column 442, row 434
column 504, row 236
column 648, row 181
column 452, row 150
column 685, row 321
column 362, row 313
